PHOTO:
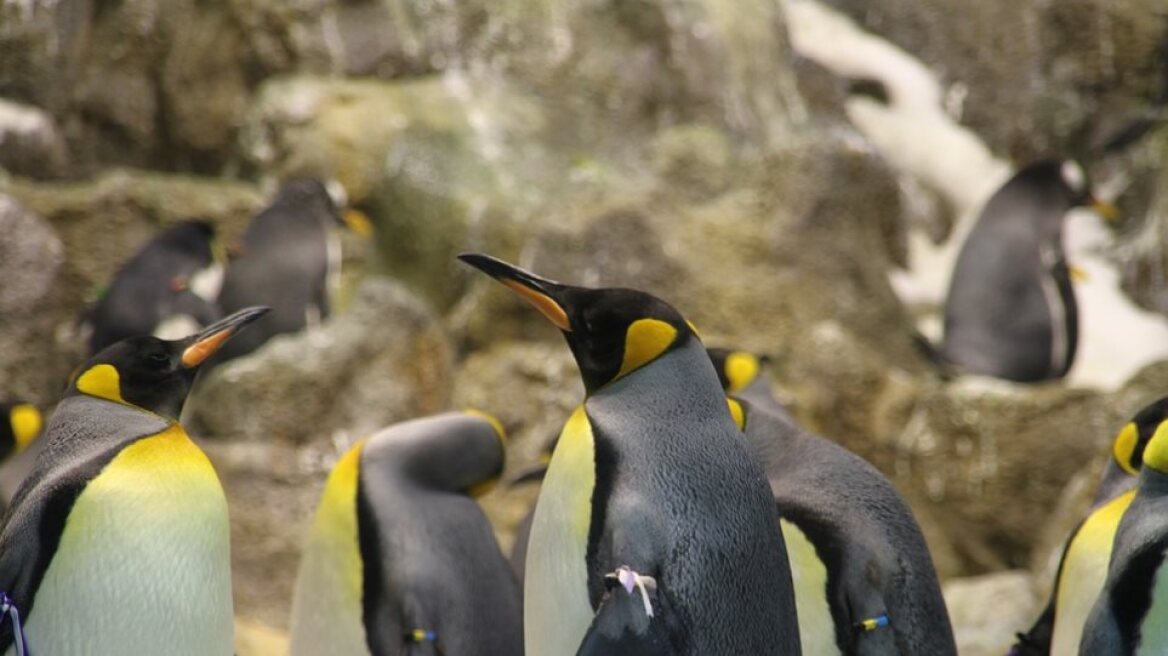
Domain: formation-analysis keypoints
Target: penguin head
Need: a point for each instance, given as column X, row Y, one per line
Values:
column 155, row 374
column 1128, row 447
column 611, row 331
column 1059, row 185
column 736, row 369
column 20, row 424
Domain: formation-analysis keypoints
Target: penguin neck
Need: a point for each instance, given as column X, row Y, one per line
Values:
column 1115, row 481
column 682, row 378
column 1153, row 484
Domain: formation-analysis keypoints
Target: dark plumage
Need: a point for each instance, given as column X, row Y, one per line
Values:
column 155, row 285
column 283, row 262
column 1010, row 312
column 876, row 559
column 676, row 497
column 430, row 562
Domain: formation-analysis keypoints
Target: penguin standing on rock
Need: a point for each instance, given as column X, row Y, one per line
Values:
column 655, row 532
column 400, row 559
column 1010, row 312
column 288, row 260
column 118, row 541
column 864, row 580
column 1082, row 570
column 166, row 289
column 1130, row 616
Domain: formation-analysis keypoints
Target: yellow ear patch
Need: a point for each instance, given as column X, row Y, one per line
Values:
column 1124, row 447
column 741, row 370
column 737, row 413
column 493, row 421
column 102, row 381
column 1156, row 453
column 645, row 340
column 26, row 424
column 542, row 302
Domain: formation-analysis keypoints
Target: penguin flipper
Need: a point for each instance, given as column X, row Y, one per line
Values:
column 628, row 621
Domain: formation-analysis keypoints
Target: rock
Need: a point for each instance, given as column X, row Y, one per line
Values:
column 988, row 610
column 1064, row 64
column 32, row 258
column 532, row 388
column 383, row 360
column 86, row 231
column 275, row 422
column 30, row 142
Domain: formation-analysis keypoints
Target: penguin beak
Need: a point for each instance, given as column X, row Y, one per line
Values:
column 358, row 222
column 540, row 292
column 1104, row 209
column 213, row 337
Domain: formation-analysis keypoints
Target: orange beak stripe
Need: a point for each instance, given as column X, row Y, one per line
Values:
column 197, row 353
column 542, row 302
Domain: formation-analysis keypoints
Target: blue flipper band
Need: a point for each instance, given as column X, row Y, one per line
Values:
column 880, row 621
column 8, row 608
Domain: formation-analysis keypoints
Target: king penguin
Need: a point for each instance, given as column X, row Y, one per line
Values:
column 20, row 424
column 400, row 559
column 1130, row 616
column 1082, row 570
column 167, row 289
column 741, row 374
column 118, row 541
column 288, row 260
column 655, row 532
column 1010, row 312
column 864, row 580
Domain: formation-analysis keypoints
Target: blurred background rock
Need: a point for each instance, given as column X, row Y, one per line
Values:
column 680, row 146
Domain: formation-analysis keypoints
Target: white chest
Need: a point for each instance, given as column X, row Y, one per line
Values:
column 143, row 565
column 809, row 576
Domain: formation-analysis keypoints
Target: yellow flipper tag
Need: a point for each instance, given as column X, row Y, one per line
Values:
column 26, row 423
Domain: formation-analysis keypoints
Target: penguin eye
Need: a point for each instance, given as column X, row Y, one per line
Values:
column 157, row 360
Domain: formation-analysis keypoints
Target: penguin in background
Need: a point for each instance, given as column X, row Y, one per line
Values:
column 741, row 375
column 289, row 260
column 400, row 558
column 655, row 532
column 1010, row 312
column 118, row 541
column 864, row 579
column 166, row 289
column 1082, row 570
column 20, row 425
column 1130, row 616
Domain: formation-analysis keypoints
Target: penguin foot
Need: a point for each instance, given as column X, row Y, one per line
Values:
column 625, row 577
